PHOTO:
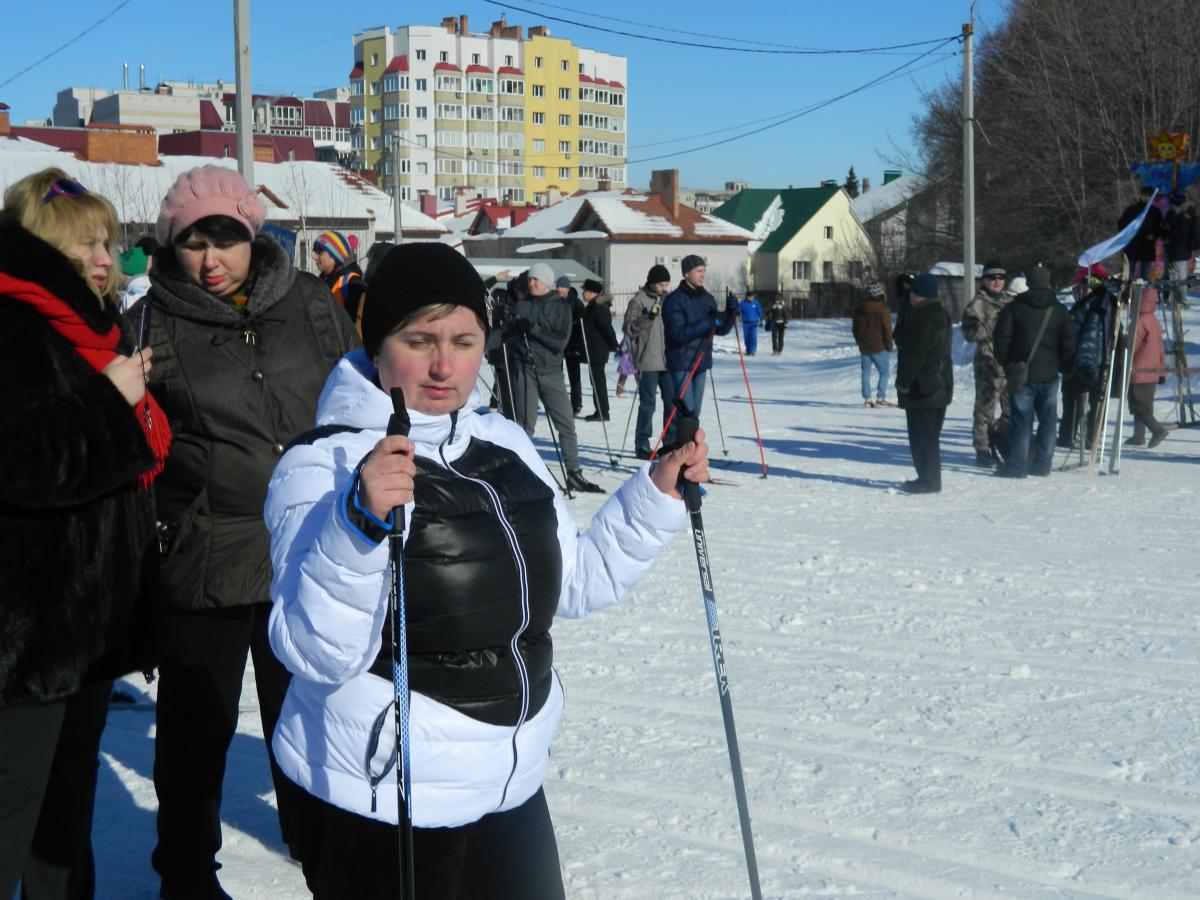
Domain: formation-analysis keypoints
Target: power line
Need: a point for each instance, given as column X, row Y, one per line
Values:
column 62, row 47
column 785, row 113
column 726, row 47
column 804, row 112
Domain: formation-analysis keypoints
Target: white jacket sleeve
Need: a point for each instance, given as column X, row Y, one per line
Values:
column 603, row 563
column 330, row 589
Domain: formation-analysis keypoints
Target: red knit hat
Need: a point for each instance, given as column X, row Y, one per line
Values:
column 208, row 191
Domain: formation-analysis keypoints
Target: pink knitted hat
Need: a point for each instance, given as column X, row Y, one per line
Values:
column 208, row 191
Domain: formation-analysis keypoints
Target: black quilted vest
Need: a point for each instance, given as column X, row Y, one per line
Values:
column 482, row 575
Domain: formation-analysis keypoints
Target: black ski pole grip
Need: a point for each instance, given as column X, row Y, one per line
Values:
column 398, row 423
column 685, row 431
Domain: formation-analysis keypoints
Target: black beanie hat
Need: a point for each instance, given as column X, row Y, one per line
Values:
column 690, row 262
column 415, row 275
column 658, row 274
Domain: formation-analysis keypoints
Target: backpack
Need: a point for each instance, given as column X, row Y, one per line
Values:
column 1091, row 341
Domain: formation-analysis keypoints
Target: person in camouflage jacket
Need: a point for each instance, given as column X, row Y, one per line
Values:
column 978, row 323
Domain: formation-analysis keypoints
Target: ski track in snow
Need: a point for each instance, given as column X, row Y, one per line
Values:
column 988, row 693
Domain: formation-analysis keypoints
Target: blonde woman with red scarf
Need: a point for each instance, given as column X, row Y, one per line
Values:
column 81, row 440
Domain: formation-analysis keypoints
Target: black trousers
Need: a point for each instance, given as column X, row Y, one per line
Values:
column 600, row 386
column 924, row 442
column 504, row 856
column 574, row 381
column 203, row 662
column 777, row 337
column 49, row 760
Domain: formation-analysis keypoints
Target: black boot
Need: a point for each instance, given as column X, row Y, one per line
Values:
column 576, row 482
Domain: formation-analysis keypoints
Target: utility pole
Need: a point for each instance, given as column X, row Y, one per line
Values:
column 242, row 103
column 397, row 202
column 968, row 208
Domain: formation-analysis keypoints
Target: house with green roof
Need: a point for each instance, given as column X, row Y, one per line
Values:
column 802, row 236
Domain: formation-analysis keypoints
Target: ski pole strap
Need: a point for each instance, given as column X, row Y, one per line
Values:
column 685, row 431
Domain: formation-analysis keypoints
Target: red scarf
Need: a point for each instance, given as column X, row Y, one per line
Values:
column 98, row 350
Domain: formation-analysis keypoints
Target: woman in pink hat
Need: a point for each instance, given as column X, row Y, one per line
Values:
column 242, row 345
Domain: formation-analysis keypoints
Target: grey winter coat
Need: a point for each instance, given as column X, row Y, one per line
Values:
column 552, row 318
column 237, row 386
column 645, row 332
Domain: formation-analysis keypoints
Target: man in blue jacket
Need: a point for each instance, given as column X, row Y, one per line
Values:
column 751, row 316
column 690, row 320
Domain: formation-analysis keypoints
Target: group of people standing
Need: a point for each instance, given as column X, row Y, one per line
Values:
column 141, row 451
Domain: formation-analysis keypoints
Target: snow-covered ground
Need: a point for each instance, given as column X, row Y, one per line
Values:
column 990, row 692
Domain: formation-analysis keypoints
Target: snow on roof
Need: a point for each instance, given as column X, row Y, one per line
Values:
column 16, row 144
column 552, row 222
column 621, row 218
column 953, row 269
column 880, row 200
column 313, row 189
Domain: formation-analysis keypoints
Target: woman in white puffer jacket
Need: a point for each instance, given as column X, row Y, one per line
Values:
column 482, row 585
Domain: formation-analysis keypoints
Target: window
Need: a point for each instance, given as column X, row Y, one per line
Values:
column 539, row 145
column 395, row 111
column 391, row 83
column 508, row 60
column 481, row 167
column 374, row 117
column 564, row 121
column 449, row 166
column 446, row 193
column 474, row 59
column 512, row 86
column 422, row 168
column 618, row 99
column 405, row 166
column 481, row 113
column 564, row 146
column 829, row 233
column 586, row 94
column 538, row 90
column 422, row 139
column 539, row 171
column 443, row 56
column 356, row 142
column 537, row 62
column 356, row 115
column 854, row 268
column 422, row 112
column 802, row 270
column 512, row 140
column 375, row 142
column 512, row 167
column 374, row 88
column 539, row 118
column 565, row 173
column 422, row 84
column 827, row 270
column 512, row 114
column 481, row 140
column 564, row 93
column 421, row 54
column 374, row 59
column 449, row 111
column 516, row 195
column 565, row 65
column 405, row 192
column 481, row 85
column 618, row 124
column 356, row 89
column 449, row 83
column 451, row 139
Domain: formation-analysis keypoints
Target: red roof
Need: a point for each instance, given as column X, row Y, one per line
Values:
column 588, row 78
column 600, row 81
column 398, row 64
column 316, row 113
column 509, row 70
column 341, row 115
column 479, row 68
column 687, row 218
column 209, row 117
column 446, row 67
column 357, row 71
column 616, row 84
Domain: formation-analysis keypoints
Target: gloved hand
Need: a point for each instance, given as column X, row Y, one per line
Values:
column 731, row 308
column 521, row 326
column 654, row 310
column 719, row 321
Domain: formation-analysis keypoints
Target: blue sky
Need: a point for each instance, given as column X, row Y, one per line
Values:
column 674, row 92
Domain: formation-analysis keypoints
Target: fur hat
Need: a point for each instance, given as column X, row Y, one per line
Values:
column 335, row 244
column 208, row 191
column 594, row 286
column 415, row 275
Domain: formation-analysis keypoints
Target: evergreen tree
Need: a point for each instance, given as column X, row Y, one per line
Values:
column 851, row 183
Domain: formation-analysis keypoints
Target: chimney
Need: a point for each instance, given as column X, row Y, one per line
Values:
column 141, row 76
column 866, row 185
column 462, row 24
column 4, row 126
column 665, row 183
column 429, row 204
column 539, row 31
column 124, row 76
column 449, row 24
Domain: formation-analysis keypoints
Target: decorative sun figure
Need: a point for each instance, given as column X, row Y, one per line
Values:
column 1169, row 145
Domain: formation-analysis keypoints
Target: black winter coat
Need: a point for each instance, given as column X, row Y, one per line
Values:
column 543, row 346
column 924, row 370
column 78, row 552
column 598, row 330
column 574, row 348
column 238, row 386
column 1018, row 325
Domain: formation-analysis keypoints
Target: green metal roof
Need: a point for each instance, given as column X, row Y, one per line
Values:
column 747, row 207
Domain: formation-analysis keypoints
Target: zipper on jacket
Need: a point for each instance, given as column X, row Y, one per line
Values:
column 522, row 574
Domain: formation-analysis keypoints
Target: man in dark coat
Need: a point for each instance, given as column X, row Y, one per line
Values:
column 924, row 381
column 574, row 353
column 1016, row 330
column 690, row 320
column 599, row 341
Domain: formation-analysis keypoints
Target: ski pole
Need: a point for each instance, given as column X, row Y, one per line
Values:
column 717, row 407
column 399, row 424
column 629, row 418
column 691, row 494
column 750, row 394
